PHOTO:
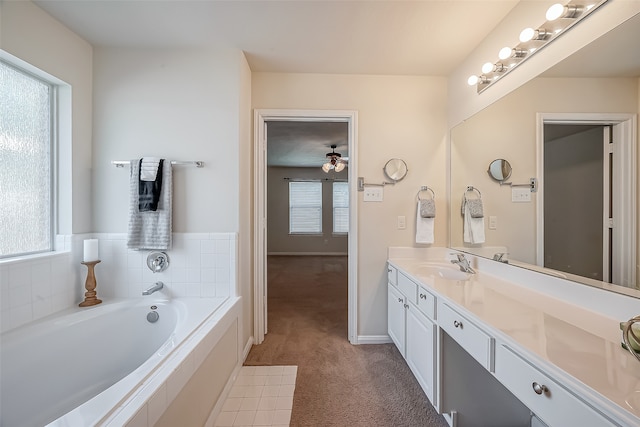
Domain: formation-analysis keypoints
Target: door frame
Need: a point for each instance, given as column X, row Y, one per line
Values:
column 625, row 179
column 261, row 116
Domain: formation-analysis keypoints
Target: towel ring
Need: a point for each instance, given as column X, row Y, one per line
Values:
column 425, row 188
column 471, row 188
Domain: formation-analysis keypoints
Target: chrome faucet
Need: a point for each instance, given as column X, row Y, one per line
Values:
column 154, row 288
column 463, row 263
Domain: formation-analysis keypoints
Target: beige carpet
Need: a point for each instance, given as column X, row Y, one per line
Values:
column 338, row 384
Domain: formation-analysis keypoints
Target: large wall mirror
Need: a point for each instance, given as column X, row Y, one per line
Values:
column 582, row 223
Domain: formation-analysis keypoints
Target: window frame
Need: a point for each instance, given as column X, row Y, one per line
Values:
column 333, row 208
column 37, row 74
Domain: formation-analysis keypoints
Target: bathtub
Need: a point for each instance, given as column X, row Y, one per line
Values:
column 84, row 366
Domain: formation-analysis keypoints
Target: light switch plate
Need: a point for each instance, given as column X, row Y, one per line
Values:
column 520, row 195
column 373, row 194
column 493, row 222
column 402, row 222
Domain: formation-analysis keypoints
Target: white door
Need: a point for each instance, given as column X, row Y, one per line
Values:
column 421, row 349
column 396, row 317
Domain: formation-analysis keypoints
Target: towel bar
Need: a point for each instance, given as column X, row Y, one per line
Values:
column 196, row 163
column 425, row 188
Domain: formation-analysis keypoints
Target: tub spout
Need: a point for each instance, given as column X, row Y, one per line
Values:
column 154, row 288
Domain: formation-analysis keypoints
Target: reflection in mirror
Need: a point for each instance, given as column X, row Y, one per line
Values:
column 500, row 170
column 396, row 169
column 595, row 82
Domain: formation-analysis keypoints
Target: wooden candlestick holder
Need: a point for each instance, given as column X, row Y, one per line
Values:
column 90, row 285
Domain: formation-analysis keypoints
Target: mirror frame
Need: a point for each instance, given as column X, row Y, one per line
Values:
column 400, row 169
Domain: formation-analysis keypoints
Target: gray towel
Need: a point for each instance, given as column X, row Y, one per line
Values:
column 152, row 229
column 428, row 208
column 475, row 207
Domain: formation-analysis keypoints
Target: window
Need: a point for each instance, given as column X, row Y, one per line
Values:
column 340, row 207
column 305, row 207
column 26, row 115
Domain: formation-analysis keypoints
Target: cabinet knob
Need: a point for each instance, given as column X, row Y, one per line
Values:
column 423, row 296
column 389, row 270
column 539, row 388
column 457, row 324
column 399, row 299
column 406, row 306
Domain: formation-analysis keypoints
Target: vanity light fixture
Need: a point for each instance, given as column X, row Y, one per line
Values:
column 334, row 161
column 529, row 34
column 560, row 18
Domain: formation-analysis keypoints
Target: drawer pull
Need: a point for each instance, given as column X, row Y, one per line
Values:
column 457, row 324
column 539, row 388
column 389, row 270
column 399, row 299
column 406, row 306
column 423, row 296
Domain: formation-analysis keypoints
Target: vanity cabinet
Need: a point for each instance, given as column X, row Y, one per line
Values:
column 412, row 331
column 550, row 401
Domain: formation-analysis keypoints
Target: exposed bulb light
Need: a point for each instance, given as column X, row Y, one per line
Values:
column 507, row 52
column 487, row 67
column 529, row 34
column 558, row 11
column 473, row 80
column 490, row 67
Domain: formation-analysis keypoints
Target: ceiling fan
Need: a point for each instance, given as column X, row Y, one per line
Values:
column 334, row 161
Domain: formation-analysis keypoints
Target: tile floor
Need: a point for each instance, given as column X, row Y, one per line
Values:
column 261, row 396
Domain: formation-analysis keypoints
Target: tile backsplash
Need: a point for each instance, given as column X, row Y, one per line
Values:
column 200, row 265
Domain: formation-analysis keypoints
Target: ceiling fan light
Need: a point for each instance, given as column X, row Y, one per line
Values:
column 339, row 167
column 326, row 167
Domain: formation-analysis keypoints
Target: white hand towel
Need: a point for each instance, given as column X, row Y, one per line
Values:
column 473, row 228
column 424, row 228
column 149, row 168
column 151, row 229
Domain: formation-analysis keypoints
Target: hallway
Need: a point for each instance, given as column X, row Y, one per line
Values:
column 338, row 384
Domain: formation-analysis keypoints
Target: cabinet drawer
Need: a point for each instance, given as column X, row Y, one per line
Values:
column 408, row 287
column 392, row 274
column 554, row 405
column 474, row 340
column 426, row 303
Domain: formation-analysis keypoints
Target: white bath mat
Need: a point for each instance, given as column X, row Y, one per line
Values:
column 261, row 396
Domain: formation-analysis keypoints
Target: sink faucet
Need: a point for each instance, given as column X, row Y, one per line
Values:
column 154, row 288
column 463, row 263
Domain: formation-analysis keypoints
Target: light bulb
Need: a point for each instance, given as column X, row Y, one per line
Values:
column 505, row 53
column 487, row 67
column 473, row 80
column 527, row 34
column 326, row 167
column 555, row 12
column 339, row 167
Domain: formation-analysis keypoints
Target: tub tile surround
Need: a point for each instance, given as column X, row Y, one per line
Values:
column 201, row 265
column 567, row 329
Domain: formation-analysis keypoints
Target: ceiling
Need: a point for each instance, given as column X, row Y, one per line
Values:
column 385, row 37
column 389, row 37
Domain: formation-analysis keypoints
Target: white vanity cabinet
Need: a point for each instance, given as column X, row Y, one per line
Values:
column 550, row 401
column 411, row 312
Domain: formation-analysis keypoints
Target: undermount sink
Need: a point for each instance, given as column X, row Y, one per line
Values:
column 444, row 272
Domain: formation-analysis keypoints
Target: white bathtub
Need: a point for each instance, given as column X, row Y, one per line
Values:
column 84, row 365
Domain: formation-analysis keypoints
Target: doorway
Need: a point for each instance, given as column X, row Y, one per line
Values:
column 586, row 207
column 262, row 119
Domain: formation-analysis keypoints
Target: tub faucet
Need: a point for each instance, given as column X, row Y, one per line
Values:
column 463, row 263
column 154, row 288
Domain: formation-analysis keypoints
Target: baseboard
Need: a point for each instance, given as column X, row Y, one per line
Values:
column 247, row 348
column 308, row 253
column 373, row 339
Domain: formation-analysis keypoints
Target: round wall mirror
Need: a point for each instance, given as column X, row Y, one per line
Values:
column 395, row 169
column 500, row 170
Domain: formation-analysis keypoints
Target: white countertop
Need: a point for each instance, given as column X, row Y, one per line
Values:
column 554, row 332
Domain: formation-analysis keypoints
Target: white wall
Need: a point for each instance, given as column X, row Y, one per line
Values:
column 398, row 116
column 278, row 238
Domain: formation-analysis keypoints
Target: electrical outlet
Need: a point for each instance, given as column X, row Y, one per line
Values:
column 520, row 195
column 402, row 222
column 373, row 194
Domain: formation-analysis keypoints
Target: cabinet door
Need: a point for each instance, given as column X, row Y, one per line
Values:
column 421, row 349
column 395, row 318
